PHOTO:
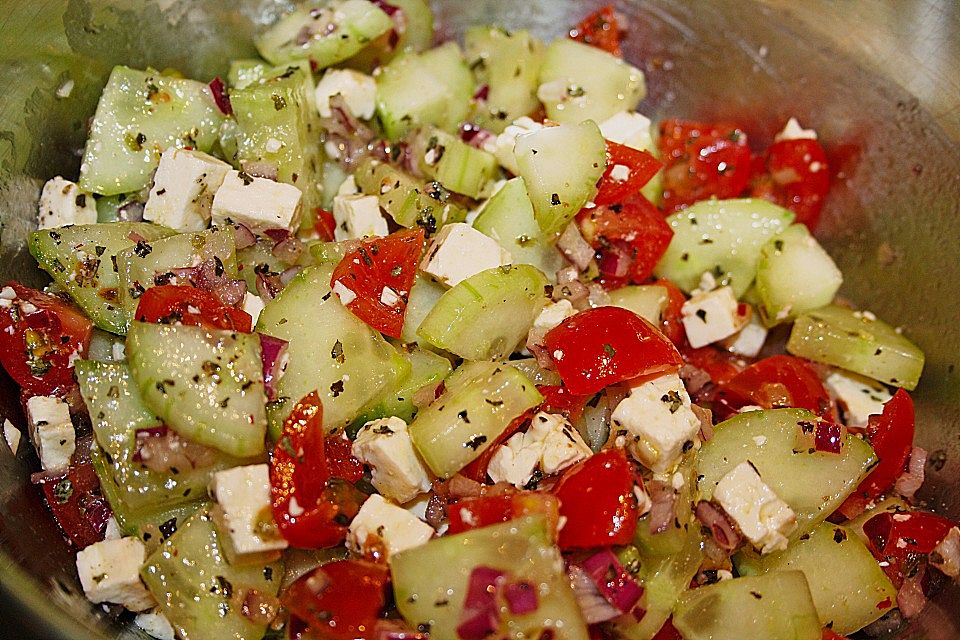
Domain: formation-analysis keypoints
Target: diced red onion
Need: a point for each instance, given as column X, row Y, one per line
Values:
column 910, row 597
column 694, row 378
column 243, row 237
column 288, row 274
column 131, row 212
column 260, row 169
column 829, row 436
column 482, row 93
column 613, row 581
column 615, row 261
column 663, row 508
column 386, row 7
column 911, row 480
column 288, row 250
column 258, row 607
column 574, row 248
column 219, row 91
column 353, row 137
column 162, row 450
column 41, row 477
column 394, row 630
column 946, row 555
column 268, row 285
column 424, row 396
column 723, row 532
column 598, row 296
column 706, row 421
column 436, row 510
column 272, row 352
column 210, row 276
column 592, row 604
column 481, row 614
column 474, row 135
column 460, row 486
column 521, row 597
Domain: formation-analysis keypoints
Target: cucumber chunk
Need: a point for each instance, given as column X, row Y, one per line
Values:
column 410, row 202
column 508, row 63
column 777, row 606
column 794, row 275
column 456, row 165
column 415, row 35
column 579, row 82
column 140, row 114
column 206, row 385
column 426, row 369
column 813, row 484
column 83, row 260
column 423, row 297
column 480, row 401
column 430, row 581
column 857, row 342
column 647, row 300
column 487, row 315
column 723, row 237
column 849, row 588
column 561, row 166
column 246, row 71
column 199, row 592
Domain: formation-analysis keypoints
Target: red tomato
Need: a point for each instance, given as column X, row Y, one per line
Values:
column 168, row 304
column 558, row 399
column 477, row 470
column 901, row 539
column 668, row 632
column 341, row 600
column 720, row 365
column 483, row 511
column 597, row 501
column 325, row 225
column 40, row 336
column 830, row 634
column 380, row 273
column 776, row 382
column 641, row 165
column 891, row 436
column 795, row 176
column 671, row 319
column 340, row 461
column 702, row 161
column 601, row 30
column 603, row 346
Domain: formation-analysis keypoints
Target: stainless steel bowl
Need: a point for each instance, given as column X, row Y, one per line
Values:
column 892, row 220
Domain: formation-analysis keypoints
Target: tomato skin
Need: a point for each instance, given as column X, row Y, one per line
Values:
column 599, row 347
column 601, row 30
column 483, row 511
column 325, row 225
column 380, row 264
column 172, row 303
column 477, row 469
column 671, row 319
column 830, row 634
column 597, row 500
column 776, row 382
column 897, row 538
column 668, row 632
column 720, row 365
column 796, row 176
column 642, row 166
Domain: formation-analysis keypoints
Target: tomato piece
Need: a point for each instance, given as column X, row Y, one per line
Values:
column 830, row 634
column 702, row 160
column 795, row 176
column 640, row 165
column 340, row 460
column 901, row 539
column 720, row 365
column 483, row 511
column 891, row 436
column 597, row 502
column 477, row 470
column 603, row 346
column 325, row 225
column 668, row 632
column 40, row 336
column 671, row 320
column 776, row 382
column 600, row 29
column 380, row 274
column 168, row 304
column 558, row 399
column 341, row 600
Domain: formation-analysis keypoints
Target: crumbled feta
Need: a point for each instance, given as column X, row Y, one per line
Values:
column 253, row 304
column 118, row 351
column 389, row 297
column 359, row 92
column 793, row 131
column 762, row 517
column 358, row 217
column 52, row 431
column 62, row 203
column 460, row 251
column 748, row 341
column 502, row 147
column 112, row 532
column 381, row 526
column 110, row 572
column 156, row 625
column 183, row 189
column 12, row 435
column 552, row 314
column 343, row 292
column 550, row 443
column 711, row 316
column 243, row 511
column 858, row 397
column 396, row 470
column 628, row 128
column 348, row 187
column 257, row 203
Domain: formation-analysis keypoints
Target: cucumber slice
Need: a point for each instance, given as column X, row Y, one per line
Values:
column 416, row 35
column 561, row 166
column 423, row 298
column 426, row 369
column 849, row 588
column 579, row 82
column 83, row 260
column 857, row 342
column 205, row 385
column 508, row 63
column 325, row 33
column 480, row 401
column 487, row 315
column 140, row 114
column 647, row 301
column 794, row 275
column 430, row 581
column 532, row 369
column 258, row 258
column 456, row 165
column 409, row 201
column 777, row 606
column 246, row 71
column 103, row 346
column 199, row 592
column 723, row 237
column 813, row 484
column 508, row 218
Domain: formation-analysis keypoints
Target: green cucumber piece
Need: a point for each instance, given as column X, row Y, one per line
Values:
column 410, row 202
column 246, row 71
column 426, row 369
column 855, row 341
column 140, row 114
column 508, row 63
column 430, row 581
column 532, row 369
column 487, row 315
column 647, row 300
column 723, row 237
column 794, row 275
column 456, row 165
column 423, row 298
column 82, row 260
column 416, row 35
column 256, row 259
column 813, row 484
column 102, row 346
column 674, row 539
column 579, row 82
column 777, row 606
column 199, row 591
column 480, row 401
column 849, row 588
column 561, row 166
column 206, row 385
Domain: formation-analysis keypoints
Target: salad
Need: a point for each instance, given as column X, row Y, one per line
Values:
column 385, row 340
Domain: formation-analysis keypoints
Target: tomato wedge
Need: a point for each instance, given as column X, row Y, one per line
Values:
column 777, row 382
column 188, row 305
column 603, row 346
column 899, row 539
column 558, row 399
column 641, row 166
column 720, row 365
column 483, row 511
column 477, row 470
column 671, row 320
column 600, row 29
column 325, row 225
column 795, row 176
column 378, row 276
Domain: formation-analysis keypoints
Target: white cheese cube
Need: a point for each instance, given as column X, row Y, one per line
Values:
column 516, row 460
column 243, row 509
column 51, row 431
column 656, row 423
column 711, row 316
column 628, row 128
column 156, row 625
column 62, row 203
column 12, row 435
column 110, row 572
column 358, row 217
column 253, row 304
column 793, row 131
column 762, row 517
column 348, row 187
column 550, row 443
column 385, row 446
column 183, row 189
column 460, row 251
column 257, row 203
column 748, row 341
column 858, row 397
column 502, row 147
column 112, row 532
column 383, row 526
column 551, row 315
column 359, row 92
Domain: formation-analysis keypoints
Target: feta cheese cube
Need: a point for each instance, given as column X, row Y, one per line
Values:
column 381, row 526
column 397, row 472
column 348, row 187
column 551, row 315
column 357, row 217
column 183, row 189
column 550, row 443
column 12, row 435
column 793, row 131
column 253, row 304
column 110, row 572
column 748, row 341
column 359, row 92
column 156, row 625
column 112, row 532
column 711, row 316
column 460, row 251
column 628, row 128
column 243, row 511
column 656, row 422
column 62, row 203
column 257, row 203
column 762, row 517
column 502, row 147
column 516, row 460
column 858, row 397
column 51, row 431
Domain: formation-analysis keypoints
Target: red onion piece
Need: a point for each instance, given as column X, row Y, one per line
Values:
column 616, row 261
column 288, row 250
column 481, row 615
column 219, row 91
column 131, row 212
column 723, row 532
column 272, row 353
column 353, row 138
column 162, row 450
column 597, row 296
column 829, row 436
column 436, row 510
column 574, row 248
column 268, row 285
column 243, row 237
column 706, row 421
column 694, row 378
column 268, row 170
column 482, row 93
column 613, row 581
column 908, row 483
column 910, row 597
column 593, row 605
column 257, row 606
column 521, row 597
column 289, row 274
column 393, row 630
column 946, row 555
column 474, row 135
column 663, row 507
column 386, row 7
